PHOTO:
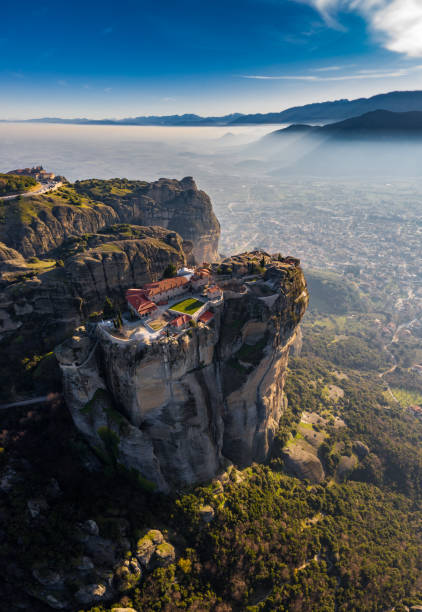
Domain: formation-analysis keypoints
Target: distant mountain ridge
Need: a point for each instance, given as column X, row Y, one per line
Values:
column 396, row 101
column 374, row 122
column 186, row 120
column 319, row 112
column 379, row 143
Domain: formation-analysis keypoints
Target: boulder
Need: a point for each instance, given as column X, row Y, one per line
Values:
column 127, row 575
column 102, row 550
column 303, row 464
column 48, row 577
column 360, row 449
column 164, row 555
column 90, row 593
column 345, row 467
column 207, row 513
column 146, row 546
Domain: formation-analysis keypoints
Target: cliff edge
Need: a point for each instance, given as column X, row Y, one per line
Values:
column 175, row 407
column 38, row 225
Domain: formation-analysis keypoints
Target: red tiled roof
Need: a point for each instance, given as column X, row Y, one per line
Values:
column 165, row 285
column 201, row 273
column 180, row 320
column 136, row 298
column 214, row 289
column 206, row 316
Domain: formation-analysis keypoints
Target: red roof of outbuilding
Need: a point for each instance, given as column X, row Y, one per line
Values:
column 180, row 320
column 206, row 316
column 214, row 289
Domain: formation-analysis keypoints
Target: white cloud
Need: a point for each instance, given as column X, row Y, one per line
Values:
column 359, row 75
column 398, row 23
column 328, row 69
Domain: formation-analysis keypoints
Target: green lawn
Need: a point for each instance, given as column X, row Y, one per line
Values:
column 188, row 306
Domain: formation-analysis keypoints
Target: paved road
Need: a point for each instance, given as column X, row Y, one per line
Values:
column 44, row 188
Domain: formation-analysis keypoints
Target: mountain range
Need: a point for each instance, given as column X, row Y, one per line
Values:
column 378, row 143
column 374, row 123
column 320, row 112
column 186, row 120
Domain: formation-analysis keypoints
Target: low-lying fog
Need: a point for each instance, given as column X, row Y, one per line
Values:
column 294, row 193
column 79, row 151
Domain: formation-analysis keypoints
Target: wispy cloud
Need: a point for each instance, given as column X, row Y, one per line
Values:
column 398, row 23
column 333, row 68
column 360, row 74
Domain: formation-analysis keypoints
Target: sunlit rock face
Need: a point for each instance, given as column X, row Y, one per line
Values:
column 174, row 410
column 40, row 224
column 182, row 207
column 175, row 205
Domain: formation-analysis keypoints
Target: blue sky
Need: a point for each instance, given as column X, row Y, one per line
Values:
column 134, row 57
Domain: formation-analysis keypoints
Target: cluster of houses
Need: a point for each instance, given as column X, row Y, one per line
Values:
column 153, row 299
column 37, row 172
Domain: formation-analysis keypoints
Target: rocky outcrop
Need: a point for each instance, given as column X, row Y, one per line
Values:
column 10, row 259
column 112, row 568
column 34, row 226
column 303, row 464
column 37, row 225
column 176, row 205
column 175, row 409
column 56, row 301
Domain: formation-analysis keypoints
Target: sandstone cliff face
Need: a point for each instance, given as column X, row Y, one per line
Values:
column 37, row 313
column 10, row 259
column 176, row 205
column 37, row 225
column 176, row 409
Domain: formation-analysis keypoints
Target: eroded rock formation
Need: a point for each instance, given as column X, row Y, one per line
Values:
column 34, row 226
column 175, row 409
column 176, row 205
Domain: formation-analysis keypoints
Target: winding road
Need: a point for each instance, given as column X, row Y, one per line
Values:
column 43, row 188
column 394, row 339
